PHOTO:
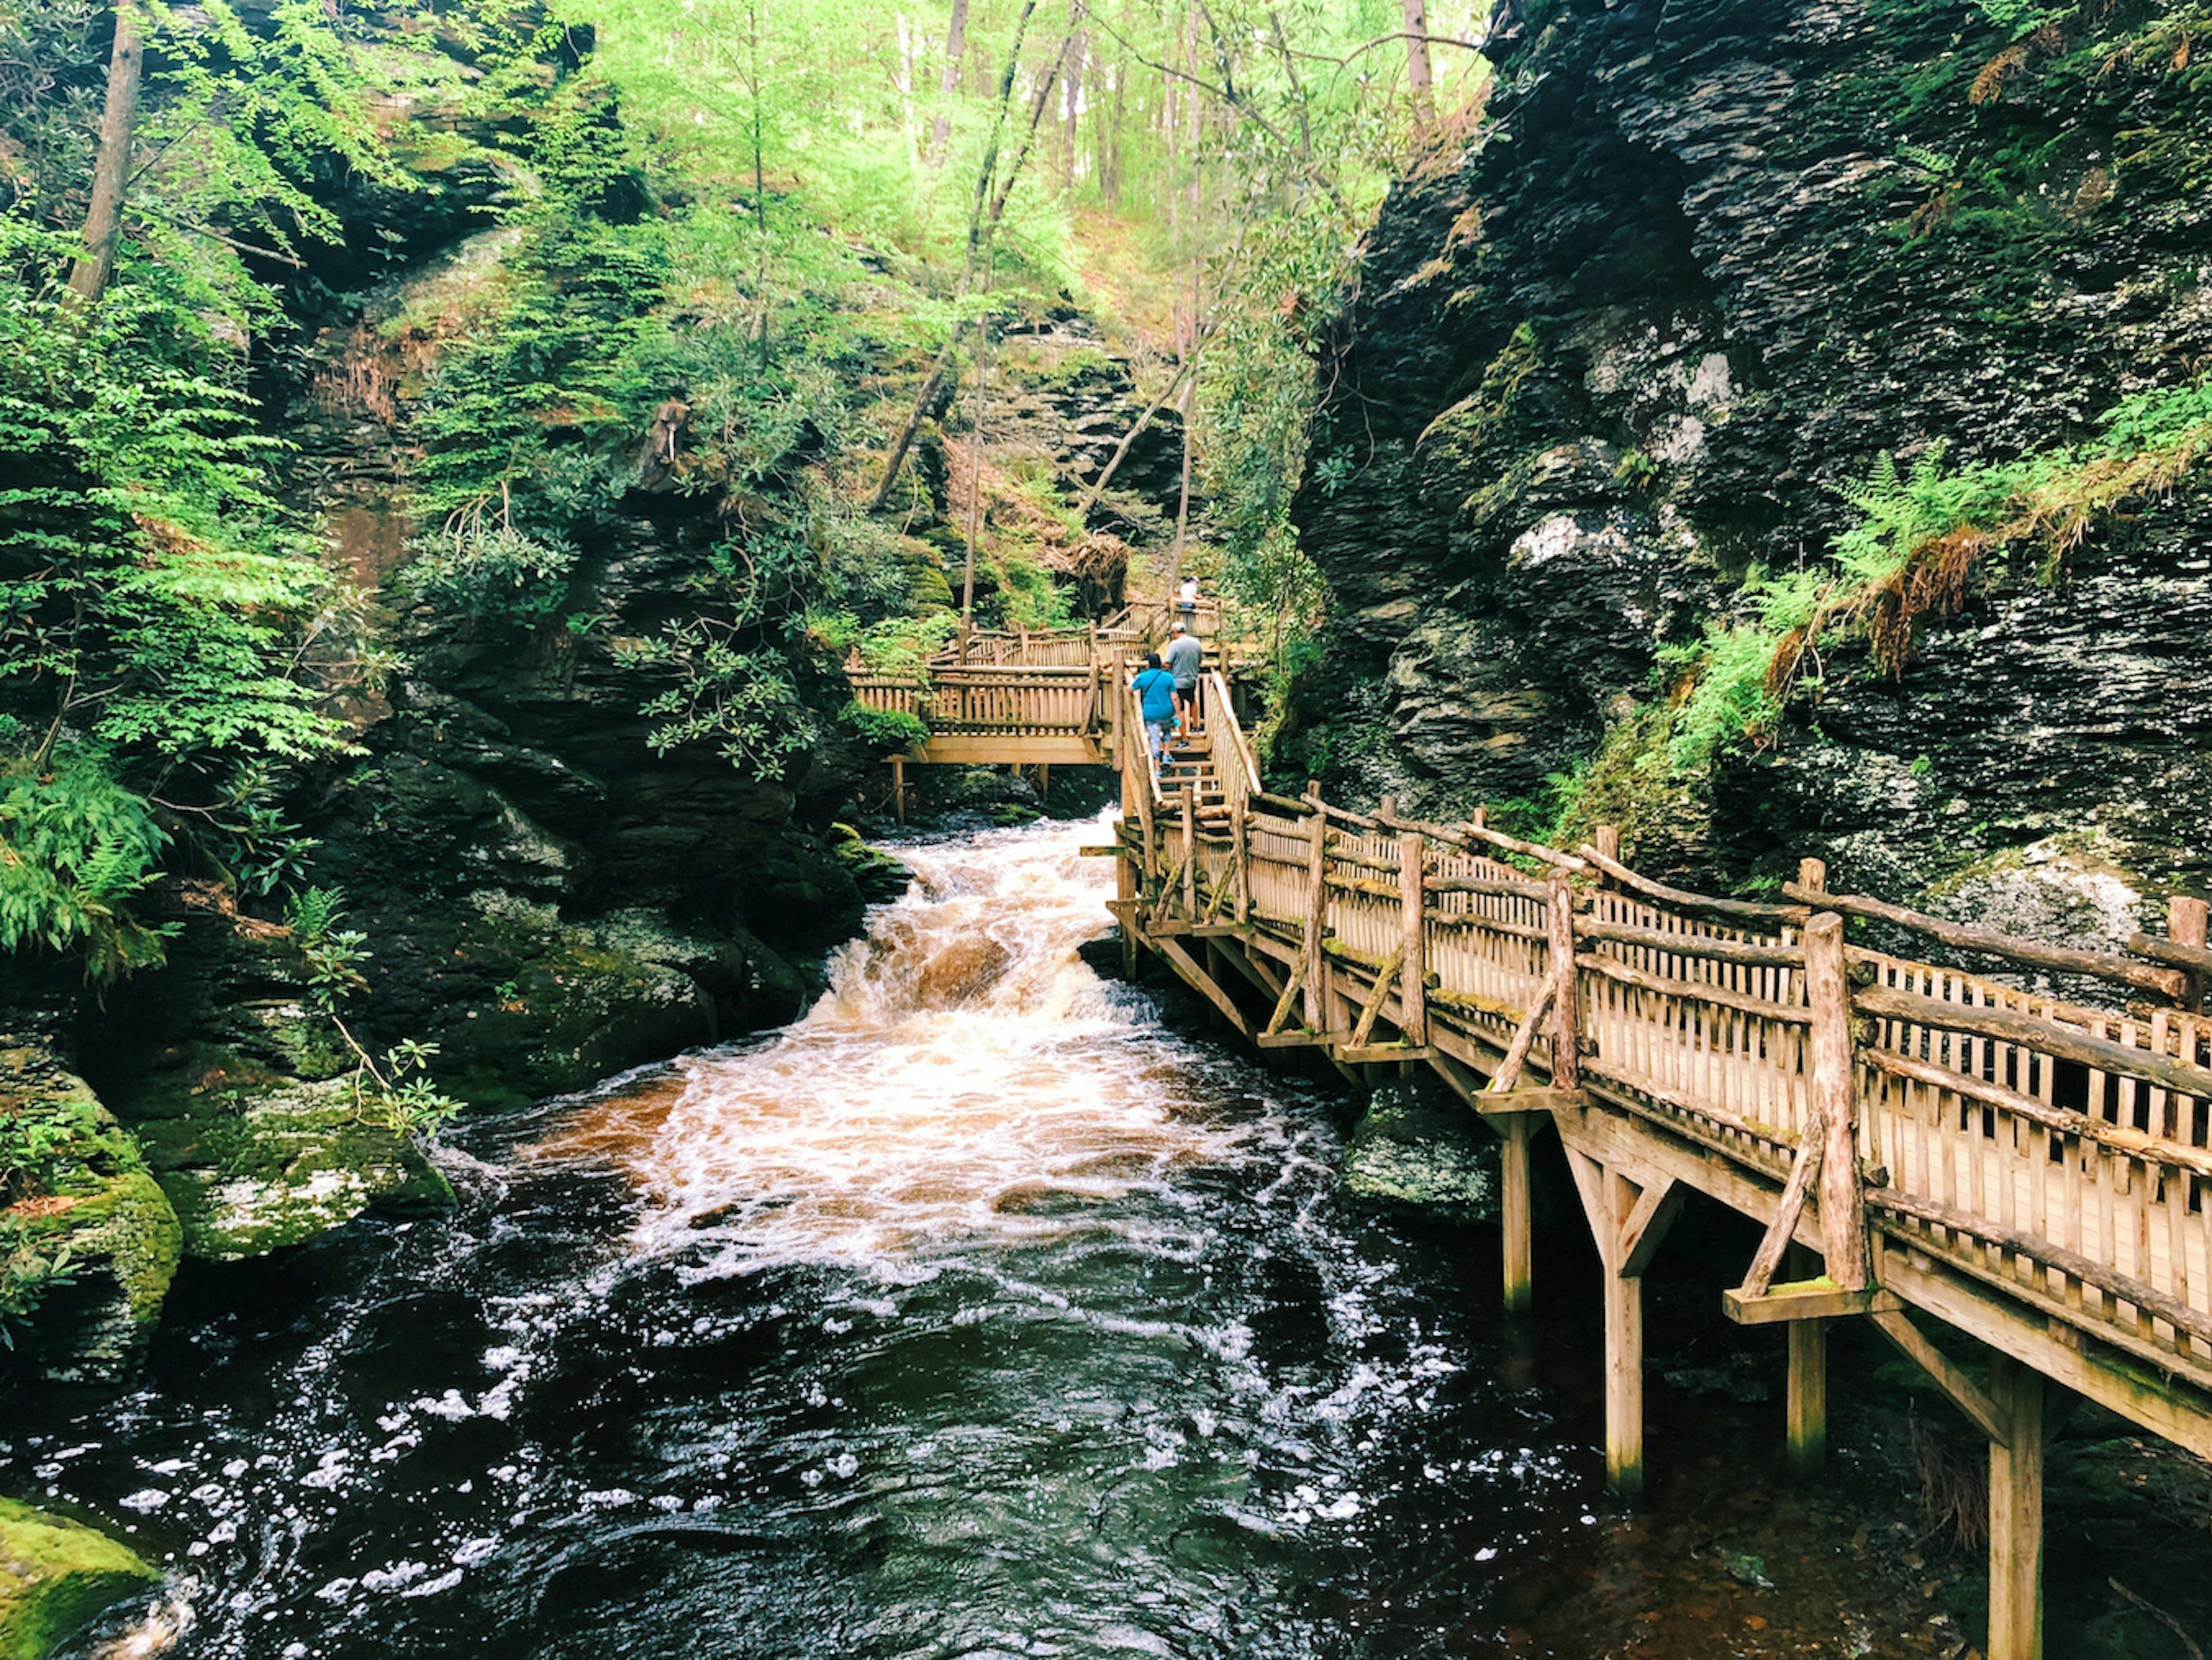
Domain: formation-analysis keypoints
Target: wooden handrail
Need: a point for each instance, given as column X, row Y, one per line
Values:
column 2062, row 959
column 2196, row 959
column 1745, row 910
column 2029, row 1031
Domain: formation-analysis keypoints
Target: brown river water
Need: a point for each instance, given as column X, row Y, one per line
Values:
column 988, row 1310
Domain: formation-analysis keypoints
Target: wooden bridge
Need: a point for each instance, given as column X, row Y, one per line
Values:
column 1970, row 1160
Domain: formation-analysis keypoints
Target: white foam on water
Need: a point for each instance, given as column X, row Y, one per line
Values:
column 946, row 1091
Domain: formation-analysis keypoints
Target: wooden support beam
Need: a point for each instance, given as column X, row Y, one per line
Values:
column 1624, row 1346
column 1201, row 981
column 1610, row 1200
column 1412, row 1007
column 1517, row 1052
column 2156, row 1402
column 1783, row 1228
column 1645, row 1228
column 1372, row 1007
column 2016, row 1464
column 1806, row 1300
column 1516, row 1103
column 1375, row 1055
column 1291, row 988
column 1943, row 1372
column 1128, row 889
column 1835, row 1098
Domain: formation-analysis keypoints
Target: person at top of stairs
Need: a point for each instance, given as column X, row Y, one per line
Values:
column 1186, row 656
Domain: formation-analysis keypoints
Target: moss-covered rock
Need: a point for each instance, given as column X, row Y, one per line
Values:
column 1411, row 1152
column 55, row 1577
column 253, row 1161
column 91, row 1205
column 880, row 878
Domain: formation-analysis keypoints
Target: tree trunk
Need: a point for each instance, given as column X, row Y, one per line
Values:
column 1073, row 98
column 1418, row 80
column 982, row 225
column 118, row 124
column 974, row 497
column 956, row 46
column 1109, row 146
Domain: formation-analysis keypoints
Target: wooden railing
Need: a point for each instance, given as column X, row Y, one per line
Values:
column 1069, row 648
column 1016, row 702
column 2060, row 1156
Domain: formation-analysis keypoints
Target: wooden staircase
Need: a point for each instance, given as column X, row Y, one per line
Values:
column 1188, row 765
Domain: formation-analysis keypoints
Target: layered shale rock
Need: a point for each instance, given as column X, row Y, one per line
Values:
column 1701, row 267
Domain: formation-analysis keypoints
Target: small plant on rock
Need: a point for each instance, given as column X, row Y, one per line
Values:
column 395, row 1090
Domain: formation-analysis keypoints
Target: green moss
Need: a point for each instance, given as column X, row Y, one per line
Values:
column 1407, row 1155
column 55, row 1577
column 252, row 1165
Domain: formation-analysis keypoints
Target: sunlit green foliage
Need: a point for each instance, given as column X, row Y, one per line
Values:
column 151, row 596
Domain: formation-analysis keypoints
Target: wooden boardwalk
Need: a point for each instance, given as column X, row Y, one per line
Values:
column 1969, row 1160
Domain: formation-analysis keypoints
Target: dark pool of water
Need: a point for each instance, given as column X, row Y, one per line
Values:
column 1176, row 1400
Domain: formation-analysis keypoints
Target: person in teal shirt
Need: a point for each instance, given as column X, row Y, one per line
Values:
column 1156, row 690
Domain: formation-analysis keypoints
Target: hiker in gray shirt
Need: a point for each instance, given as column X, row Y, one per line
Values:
column 1183, row 658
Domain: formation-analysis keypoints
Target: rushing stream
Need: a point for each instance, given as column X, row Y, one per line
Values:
column 977, row 1314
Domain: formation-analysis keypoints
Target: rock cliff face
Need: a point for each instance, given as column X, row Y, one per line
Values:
column 1700, row 267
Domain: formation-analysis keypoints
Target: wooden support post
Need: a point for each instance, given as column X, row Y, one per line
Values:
column 2016, row 1513
column 1627, row 1222
column 1213, row 1015
column 2185, row 921
column 1414, row 961
column 1806, row 1403
column 1559, row 917
column 1813, row 873
column 1514, row 1213
column 1190, row 851
column 1318, row 1012
column 1624, row 1350
column 898, row 787
column 1806, row 1407
column 1835, row 1092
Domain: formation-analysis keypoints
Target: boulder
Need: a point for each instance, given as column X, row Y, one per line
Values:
column 93, row 1207
column 55, row 1577
column 1413, row 1152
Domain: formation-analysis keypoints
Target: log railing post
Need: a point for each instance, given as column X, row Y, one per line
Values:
column 1566, row 1024
column 1605, row 838
column 1835, row 1100
column 1413, row 964
column 1317, row 1009
column 1190, row 852
column 1240, row 852
column 2186, row 920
